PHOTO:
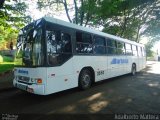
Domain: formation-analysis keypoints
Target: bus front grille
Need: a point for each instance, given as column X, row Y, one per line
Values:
column 23, row 79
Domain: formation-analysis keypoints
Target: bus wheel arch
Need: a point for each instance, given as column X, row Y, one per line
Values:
column 133, row 69
column 86, row 74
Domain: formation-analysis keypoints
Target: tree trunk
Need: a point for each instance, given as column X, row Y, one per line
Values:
column 124, row 23
column 137, row 36
column 76, row 11
column 82, row 13
column 66, row 9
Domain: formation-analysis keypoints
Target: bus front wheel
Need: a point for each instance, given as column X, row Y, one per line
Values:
column 85, row 79
column 133, row 71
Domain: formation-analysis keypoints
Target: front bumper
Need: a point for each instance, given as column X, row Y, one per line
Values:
column 34, row 88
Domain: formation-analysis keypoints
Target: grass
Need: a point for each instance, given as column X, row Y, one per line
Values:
column 7, row 64
column 7, row 59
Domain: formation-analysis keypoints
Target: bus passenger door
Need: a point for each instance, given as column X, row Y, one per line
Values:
column 59, row 56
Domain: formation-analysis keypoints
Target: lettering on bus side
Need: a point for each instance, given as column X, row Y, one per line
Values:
column 23, row 71
column 119, row 61
column 100, row 72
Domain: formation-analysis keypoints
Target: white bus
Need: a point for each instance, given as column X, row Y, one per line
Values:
column 53, row 55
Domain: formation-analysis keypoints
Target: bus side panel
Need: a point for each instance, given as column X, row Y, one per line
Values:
column 140, row 63
column 61, row 77
column 135, row 60
column 104, row 66
column 98, row 63
column 116, row 66
column 144, row 62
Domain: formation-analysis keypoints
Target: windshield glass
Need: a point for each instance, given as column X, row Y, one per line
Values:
column 29, row 47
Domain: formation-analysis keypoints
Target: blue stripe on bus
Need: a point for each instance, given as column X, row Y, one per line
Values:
column 23, row 71
column 119, row 61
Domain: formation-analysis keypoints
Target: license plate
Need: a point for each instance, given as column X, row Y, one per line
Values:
column 20, row 86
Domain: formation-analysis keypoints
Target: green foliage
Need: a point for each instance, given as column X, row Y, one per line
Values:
column 149, row 47
column 12, row 18
column 7, row 34
column 6, row 66
column 126, row 18
column 8, row 59
column 1, row 59
column 6, row 63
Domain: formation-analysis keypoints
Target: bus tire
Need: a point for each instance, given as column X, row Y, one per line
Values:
column 133, row 70
column 85, row 79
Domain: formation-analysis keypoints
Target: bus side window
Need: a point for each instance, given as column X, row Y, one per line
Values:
column 99, row 45
column 111, row 47
column 139, row 52
column 143, row 51
column 120, row 48
column 128, row 49
column 66, row 43
column 83, row 43
column 51, row 42
column 134, row 49
column 51, row 47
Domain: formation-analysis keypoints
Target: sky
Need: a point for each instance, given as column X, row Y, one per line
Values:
column 36, row 14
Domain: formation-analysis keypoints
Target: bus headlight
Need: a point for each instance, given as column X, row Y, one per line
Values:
column 33, row 80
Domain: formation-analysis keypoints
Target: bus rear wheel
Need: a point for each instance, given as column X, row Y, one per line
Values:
column 133, row 71
column 85, row 79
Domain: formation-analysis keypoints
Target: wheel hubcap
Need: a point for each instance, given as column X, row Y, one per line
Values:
column 86, row 80
column 133, row 70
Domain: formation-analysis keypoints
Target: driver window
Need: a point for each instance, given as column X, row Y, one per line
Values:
column 51, row 47
column 59, row 47
column 51, row 41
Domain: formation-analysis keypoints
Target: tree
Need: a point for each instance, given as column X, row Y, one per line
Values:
column 124, row 18
column 12, row 18
column 130, row 19
column 134, row 19
column 83, row 9
column 1, row 3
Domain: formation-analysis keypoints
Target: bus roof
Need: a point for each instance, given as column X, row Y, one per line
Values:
column 71, row 25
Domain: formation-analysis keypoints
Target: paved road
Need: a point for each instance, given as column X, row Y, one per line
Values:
column 125, row 94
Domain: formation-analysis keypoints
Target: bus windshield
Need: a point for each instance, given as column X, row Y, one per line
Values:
column 29, row 47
